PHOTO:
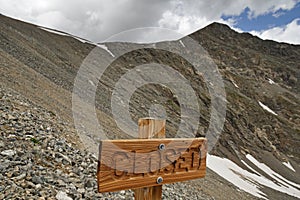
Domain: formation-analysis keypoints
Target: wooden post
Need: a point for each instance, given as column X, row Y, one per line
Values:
column 150, row 128
column 123, row 164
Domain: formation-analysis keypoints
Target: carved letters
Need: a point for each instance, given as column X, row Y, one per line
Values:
column 122, row 164
column 162, row 162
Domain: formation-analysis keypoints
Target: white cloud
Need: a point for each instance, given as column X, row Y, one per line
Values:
column 288, row 33
column 181, row 23
column 187, row 16
column 263, row 7
column 96, row 20
column 92, row 19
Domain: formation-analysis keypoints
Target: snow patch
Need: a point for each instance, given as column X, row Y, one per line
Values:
column 80, row 39
column 248, row 181
column 285, row 185
column 266, row 108
column 288, row 165
column 235, row 85
column 182, row 43
column 271, row 81
column 91, row 82
column 249, row 167
column 106, row 49
column 77, row 38
column 52, row 31
column 65, row 34
column 234, row 174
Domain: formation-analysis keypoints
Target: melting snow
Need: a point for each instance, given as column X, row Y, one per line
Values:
column 81, row 39
column 234, row 84
column 91, row 82
column 234, row 174
column 283, row 182
column 250, row 182
column 266, row 108
column 106, row 49
column 64, row 34
column 271, row 81
column 78, row 38
column 249, row 167
column 181, row 43
column 53, row 31
column 288, row 165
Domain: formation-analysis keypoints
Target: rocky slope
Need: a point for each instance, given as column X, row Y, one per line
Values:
column 40, row 67
column 37, row 162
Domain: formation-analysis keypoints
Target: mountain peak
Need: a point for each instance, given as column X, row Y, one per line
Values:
column 217, row 25
column 261, row 129
column 215, row 28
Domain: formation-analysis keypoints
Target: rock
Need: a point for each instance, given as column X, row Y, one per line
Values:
column 2, row 144
column 65, row 158
column 81, row 190
column 10, row 117
column 60, row 183
column 38, row 186
column 8, row 152
column 37, row 180
column 9, row 174
column 20, row 177
column 30, row 184
column 62, row 196
column 84, row 164
column 23, row 185
column 122, row 192
column 88, row 184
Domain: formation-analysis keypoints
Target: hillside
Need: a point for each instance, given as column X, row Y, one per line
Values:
column 261, row 134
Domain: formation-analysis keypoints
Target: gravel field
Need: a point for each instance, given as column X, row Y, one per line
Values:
column 38, row 163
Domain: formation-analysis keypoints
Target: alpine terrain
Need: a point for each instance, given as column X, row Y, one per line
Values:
column 44, row 151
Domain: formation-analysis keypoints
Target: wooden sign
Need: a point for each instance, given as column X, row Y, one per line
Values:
column 137, row 163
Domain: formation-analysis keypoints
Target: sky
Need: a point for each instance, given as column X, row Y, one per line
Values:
column 97, row 20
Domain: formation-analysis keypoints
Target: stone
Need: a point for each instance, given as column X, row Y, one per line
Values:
column 10, row 117
column 30, row 184
column 20, row 177
column 88, row 184
column 122, row 192
column 2, row 144
column 9, row 174
column 8, row 152
column 62, row 196
column 37, row 180
column 60, row 183
column 81, row 190
column 38, row 186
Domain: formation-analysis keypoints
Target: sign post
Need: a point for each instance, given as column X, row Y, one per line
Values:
column 145, row 164
column 150, row 128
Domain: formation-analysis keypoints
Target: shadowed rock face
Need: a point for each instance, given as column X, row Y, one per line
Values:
column 258, row 75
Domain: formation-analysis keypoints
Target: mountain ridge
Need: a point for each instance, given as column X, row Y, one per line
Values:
column 42, row 66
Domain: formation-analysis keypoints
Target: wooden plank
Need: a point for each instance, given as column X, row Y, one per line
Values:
column 128, row 164
column 150, row 128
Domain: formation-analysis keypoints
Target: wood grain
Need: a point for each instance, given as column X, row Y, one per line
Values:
column 128, row 164
column 150, row 128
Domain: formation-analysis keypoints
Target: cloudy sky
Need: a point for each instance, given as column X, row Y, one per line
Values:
column 97, row 20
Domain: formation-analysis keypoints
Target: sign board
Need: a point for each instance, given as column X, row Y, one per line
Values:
column 137, row 163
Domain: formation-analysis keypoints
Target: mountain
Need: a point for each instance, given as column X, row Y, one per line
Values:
column 257, row 154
